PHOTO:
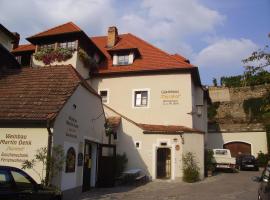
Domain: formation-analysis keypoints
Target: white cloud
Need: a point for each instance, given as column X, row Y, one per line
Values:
column 168, row 22
column 224, row 57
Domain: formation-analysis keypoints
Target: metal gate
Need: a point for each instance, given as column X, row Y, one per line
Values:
column 106, row 165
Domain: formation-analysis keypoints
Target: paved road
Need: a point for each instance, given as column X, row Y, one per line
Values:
column 225, row 186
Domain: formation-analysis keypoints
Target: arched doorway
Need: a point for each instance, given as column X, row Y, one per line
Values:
column 238, row 147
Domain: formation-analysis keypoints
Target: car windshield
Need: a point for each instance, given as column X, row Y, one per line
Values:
column 221, row 152
column 248, row 157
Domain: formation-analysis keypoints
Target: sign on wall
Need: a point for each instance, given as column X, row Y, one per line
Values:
column 170, row 97
column 72, row 127
column 20, row 144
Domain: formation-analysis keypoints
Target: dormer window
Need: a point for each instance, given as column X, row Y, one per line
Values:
column 123, row 60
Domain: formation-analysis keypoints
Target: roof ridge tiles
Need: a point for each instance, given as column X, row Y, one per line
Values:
column 56, row 27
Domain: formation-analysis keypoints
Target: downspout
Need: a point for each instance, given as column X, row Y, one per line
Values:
column 49, row 152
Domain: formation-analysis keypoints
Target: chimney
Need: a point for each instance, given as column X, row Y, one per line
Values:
column 16, row 41
column 112, row 36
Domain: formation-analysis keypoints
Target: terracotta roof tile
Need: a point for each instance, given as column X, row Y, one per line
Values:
column 151, row 58
column 36, row 93
column 150, row 128
column 64, row 28
column 24, row 47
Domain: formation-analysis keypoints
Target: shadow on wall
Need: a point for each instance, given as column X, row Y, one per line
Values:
column 126, row 144
column 215, row 139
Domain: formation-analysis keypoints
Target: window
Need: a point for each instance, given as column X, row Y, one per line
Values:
column 104, row 96
column 47, row 46
column 123, row 60
column 68, row 45
column 141, row 99
column 70, row 160
column 5, row 181
column 21, row 180
column 138, row 145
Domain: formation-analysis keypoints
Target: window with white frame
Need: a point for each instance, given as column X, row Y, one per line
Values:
column 19, row 59
column 123, row 60
column 104, row 96
column 141, row 98
column 68, row 45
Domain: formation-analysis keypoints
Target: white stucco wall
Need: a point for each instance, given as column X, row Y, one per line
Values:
column 121, row 95
column 194, row 143
column 90, row 121
column 74, row 61
column 256, row 139
column 145, row 157
column 13, row 151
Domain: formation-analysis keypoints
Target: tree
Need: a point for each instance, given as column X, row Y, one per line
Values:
column 55, row 162
column 215, row 82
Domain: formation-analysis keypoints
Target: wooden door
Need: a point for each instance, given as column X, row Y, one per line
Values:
column 238, row 148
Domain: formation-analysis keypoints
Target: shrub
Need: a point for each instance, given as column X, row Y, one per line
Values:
column 121, row 163
column 262, row 159
column 209, row 159
column 190, row 168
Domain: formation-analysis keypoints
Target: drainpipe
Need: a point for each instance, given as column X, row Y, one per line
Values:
column 49, row 152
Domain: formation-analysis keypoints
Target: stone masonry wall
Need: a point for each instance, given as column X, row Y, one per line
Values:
column 231, row 116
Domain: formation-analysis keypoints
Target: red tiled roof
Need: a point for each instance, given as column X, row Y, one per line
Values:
column 180, row 58
column 36, row 94
column 157, row 129
column 151, row 58
column 64, row 28
column 24, row 47
column 150, row 128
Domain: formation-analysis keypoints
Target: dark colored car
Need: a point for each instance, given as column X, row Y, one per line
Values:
column 16, row 184
column 246, row 162
column 264, row 187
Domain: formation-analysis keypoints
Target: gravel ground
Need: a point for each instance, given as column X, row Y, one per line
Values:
column 223, row 186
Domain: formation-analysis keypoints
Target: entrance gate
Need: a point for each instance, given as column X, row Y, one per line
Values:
column 164, row 163
column 106, row 165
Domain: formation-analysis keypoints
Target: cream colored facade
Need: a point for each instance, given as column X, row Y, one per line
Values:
column 182, row 112
column 6, row 41
column 164, row 108
column 82, row 118
column 257, row 140
column 74, row 61
column 20, row 144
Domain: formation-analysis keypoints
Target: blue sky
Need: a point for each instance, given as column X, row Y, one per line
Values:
column 214, row 34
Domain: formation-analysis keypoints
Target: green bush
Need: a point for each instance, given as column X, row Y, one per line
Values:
column 262, row 159
column 190, row 168
column 209, row 159
column 121, row 163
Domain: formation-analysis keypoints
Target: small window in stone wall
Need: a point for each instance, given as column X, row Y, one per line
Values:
column 70, row 160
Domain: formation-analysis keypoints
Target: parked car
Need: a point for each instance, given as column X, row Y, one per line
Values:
column 244, row 162
column 263, row 180
column 15, row 184
column 222, row 159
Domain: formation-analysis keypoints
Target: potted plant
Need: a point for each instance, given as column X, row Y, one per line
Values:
column 209, row 166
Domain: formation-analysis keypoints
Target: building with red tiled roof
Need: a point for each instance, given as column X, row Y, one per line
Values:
column 154, row 101
column 51, row 107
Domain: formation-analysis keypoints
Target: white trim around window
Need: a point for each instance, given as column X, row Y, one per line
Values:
column 140, row 90
column 108, row 95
